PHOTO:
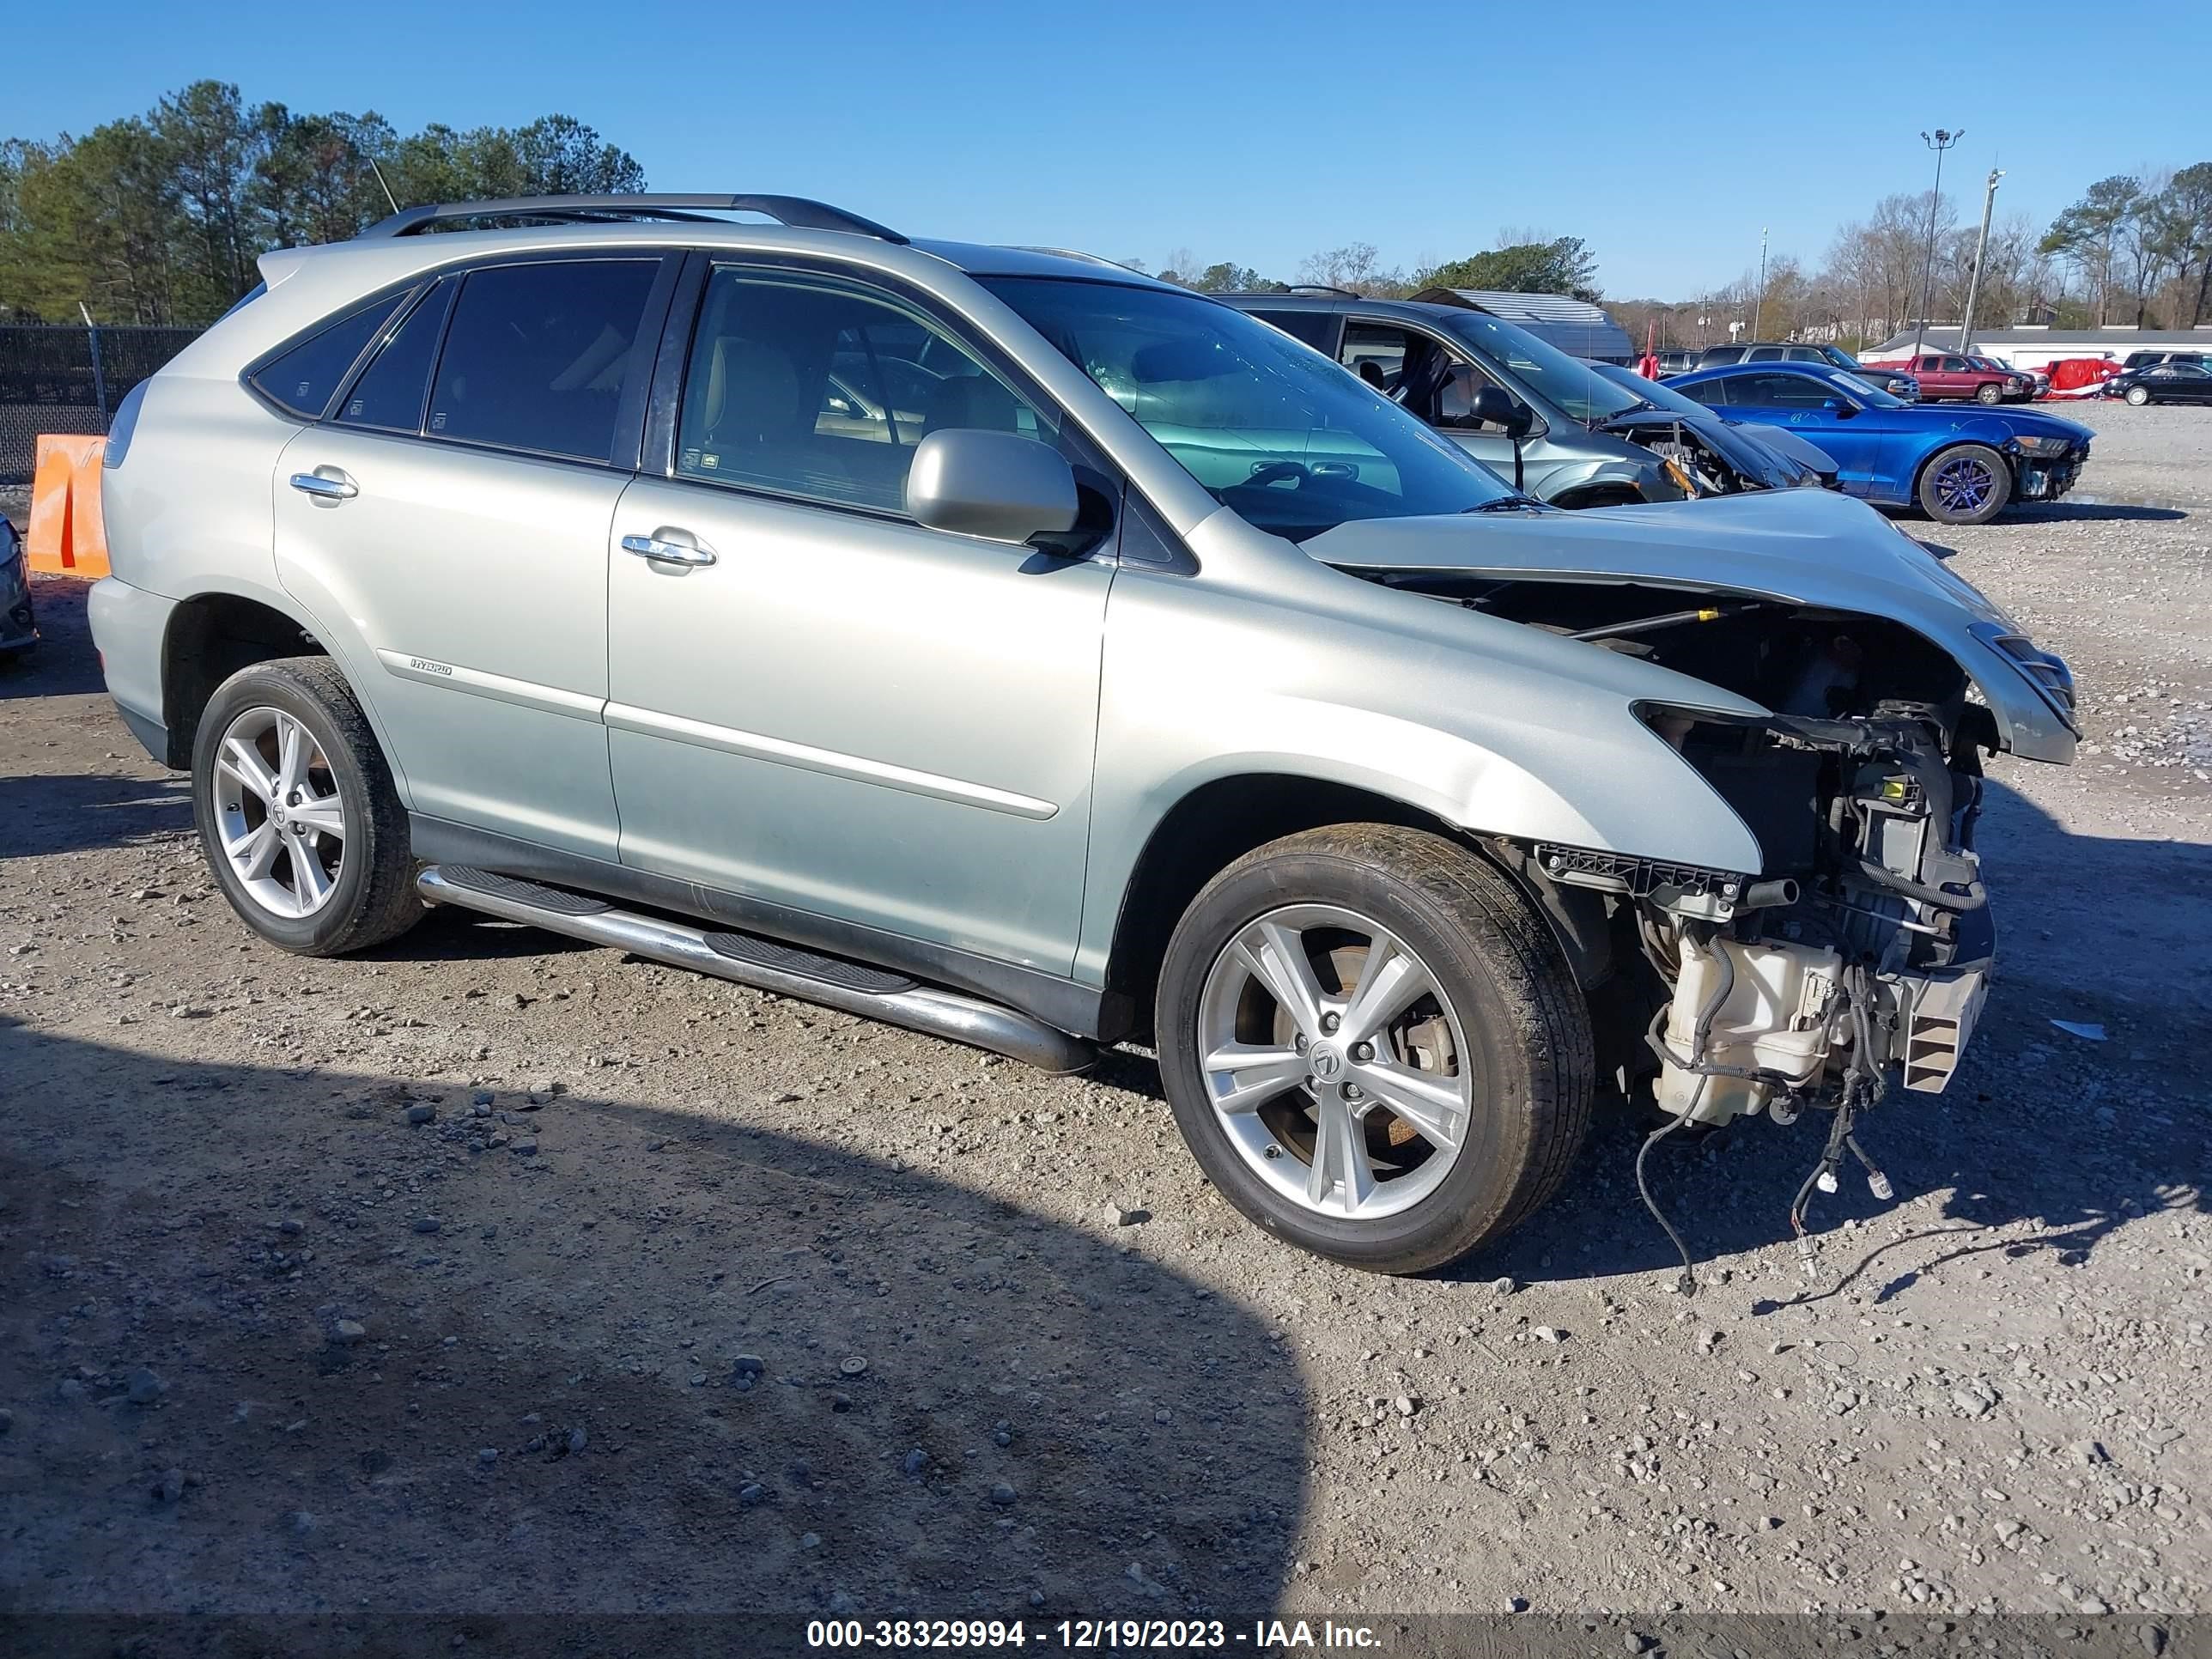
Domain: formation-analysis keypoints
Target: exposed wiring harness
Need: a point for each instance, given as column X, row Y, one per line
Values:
column 1863, row 1087
column 1687, row 1284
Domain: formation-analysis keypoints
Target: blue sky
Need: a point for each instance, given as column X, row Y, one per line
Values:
column 1664, row 136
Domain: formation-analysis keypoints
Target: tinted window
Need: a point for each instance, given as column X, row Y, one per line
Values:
column 303, row 378
column 1318, row 329
column 1956, row 365
column 536, row 357
column 814, row 388
column 389, row 392
column 2191, row 371
column 1763, row 355
column 1779, row 391
column 1712, row 393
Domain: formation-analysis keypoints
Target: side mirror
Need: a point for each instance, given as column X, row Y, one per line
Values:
column 1494, row 406
column 1839, row 408
column 998, row 485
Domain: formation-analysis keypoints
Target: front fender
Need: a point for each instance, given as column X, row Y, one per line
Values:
column 1485, row 724
column 1648, row 483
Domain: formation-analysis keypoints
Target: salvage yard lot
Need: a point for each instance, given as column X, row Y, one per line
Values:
column 679, row 1297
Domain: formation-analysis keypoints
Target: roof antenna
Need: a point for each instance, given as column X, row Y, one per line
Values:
column 380, row 184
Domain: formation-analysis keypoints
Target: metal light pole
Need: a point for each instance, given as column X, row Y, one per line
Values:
column 1939, row 140
column 1759, row 305
column 1981, row 247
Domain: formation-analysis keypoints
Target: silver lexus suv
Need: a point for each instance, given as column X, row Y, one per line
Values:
column 1002, row 644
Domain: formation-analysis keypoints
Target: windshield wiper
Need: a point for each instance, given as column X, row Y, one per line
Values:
column 1636, row 408
column 1504, row 504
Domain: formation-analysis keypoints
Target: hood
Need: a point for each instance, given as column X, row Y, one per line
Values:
column 1748, row 452
column 1811, row 548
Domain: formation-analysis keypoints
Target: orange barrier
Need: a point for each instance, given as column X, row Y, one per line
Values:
column 67, row 536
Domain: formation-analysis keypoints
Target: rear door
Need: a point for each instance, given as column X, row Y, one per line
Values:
column 820, row 705
column 455, row 503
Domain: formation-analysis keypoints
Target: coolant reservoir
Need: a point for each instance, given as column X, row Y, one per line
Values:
column 1775, row 1017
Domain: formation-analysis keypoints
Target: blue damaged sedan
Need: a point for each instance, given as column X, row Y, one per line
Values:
column 1959, row 464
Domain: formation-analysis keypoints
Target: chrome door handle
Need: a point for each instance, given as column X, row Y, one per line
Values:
column 666, row 552
column 327, row 490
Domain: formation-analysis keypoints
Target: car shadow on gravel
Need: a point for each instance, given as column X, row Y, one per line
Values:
column 67, row 812
column 2091, row 512
column 290, row 1352
column 63, row 663
column 2057, row 1140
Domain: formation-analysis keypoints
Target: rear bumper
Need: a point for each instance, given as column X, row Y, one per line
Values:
column 18, row 632
column 130, row 626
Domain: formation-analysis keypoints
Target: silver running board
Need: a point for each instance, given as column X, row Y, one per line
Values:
column 763, row 964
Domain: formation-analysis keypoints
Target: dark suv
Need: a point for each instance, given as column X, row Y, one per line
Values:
column 1896, row 382
column 1479, row 380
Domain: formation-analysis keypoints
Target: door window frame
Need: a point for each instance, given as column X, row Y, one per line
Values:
column 671, row 367
column 629, row 414
column 1457, row 354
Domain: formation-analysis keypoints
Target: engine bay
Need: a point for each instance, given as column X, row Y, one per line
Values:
column 1856, row 958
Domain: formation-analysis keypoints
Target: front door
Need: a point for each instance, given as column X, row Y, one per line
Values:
column 816, row 702
column 456, row 507
column 1861, row 441
column 1439, row 384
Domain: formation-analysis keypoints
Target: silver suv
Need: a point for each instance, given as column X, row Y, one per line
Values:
column 1002, row 644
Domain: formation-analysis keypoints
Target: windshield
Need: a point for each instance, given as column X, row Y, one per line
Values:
column 1841, row 358
column 1544, row 371
column 1867, row 392
column 1271, row 428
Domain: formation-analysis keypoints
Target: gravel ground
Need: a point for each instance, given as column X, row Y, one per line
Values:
column 492, row 1272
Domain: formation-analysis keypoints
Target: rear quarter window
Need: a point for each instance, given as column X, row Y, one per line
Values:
column 302, row 379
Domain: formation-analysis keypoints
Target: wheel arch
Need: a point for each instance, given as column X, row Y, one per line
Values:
column 1962, row 442
column 1600, row 492
column 210, row 637
column 1218, row 822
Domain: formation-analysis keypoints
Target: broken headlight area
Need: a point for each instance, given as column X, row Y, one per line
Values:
column 1860, row 957
column 1705, row 459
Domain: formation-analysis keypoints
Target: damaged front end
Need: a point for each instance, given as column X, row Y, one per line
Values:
column 1825, row 677
column 1862, row 953
column 1707, row 457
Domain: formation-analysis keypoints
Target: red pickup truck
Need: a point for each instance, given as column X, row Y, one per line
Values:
column 1946, row 374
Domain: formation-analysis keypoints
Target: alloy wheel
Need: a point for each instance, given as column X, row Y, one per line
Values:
column 1336, row 1066
column 279, row 811
column 1963, row 485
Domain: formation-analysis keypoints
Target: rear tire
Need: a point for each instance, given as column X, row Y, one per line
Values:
column 1966, row 483
column 1461, row 1117
column 297, row 812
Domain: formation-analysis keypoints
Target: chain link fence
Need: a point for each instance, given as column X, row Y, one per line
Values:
column 69, row 377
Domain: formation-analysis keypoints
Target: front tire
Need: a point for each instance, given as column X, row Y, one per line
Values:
column 297, row 813
column 1374, row 1047
column 1967, row 483
column 1989, row 394
column 2137, row 396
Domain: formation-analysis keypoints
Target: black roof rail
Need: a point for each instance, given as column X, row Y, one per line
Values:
column 1320, row 288
column 797, row 211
